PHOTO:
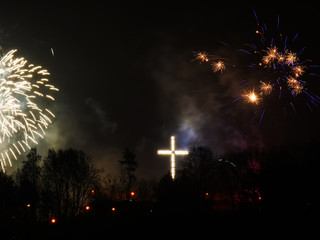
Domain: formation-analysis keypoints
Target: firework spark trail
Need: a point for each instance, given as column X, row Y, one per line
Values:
column 24, row 115
column 278, row 69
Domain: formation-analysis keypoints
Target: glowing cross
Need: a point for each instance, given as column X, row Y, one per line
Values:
column 173, row 152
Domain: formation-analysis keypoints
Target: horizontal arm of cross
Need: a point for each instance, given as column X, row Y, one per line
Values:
column 181, row 152
column 169, row 152
column 164, row 152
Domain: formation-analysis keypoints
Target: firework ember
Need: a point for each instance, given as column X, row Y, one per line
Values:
column 24, row 100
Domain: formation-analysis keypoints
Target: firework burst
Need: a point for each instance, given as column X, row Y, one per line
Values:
column 24, row 99
column 218, row 66
column 201, row 57
column 217, row 63
column 278, row 58
column 251, row 97
column 277, row 70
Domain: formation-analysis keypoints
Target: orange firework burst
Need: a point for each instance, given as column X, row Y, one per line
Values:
column 251, row 97
column 292, row 82
column 291, row 58
column 295, row 86
column 298, row 70
column 275, row 70
column 266, row 88
column 202, row 56
column 218, row 66
column 217, row 63
column 271, row 56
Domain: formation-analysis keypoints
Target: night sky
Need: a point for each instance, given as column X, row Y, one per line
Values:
column 127, row 77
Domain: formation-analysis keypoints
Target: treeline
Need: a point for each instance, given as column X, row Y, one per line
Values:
column 57, row 186
column 65, row 184
column 265, row 180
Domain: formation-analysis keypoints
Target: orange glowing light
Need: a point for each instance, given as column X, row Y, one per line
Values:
column 87, row 208
column 132, row 194
column 28, row 205
column 251, row 97
column 53, row 220
column 113, row 209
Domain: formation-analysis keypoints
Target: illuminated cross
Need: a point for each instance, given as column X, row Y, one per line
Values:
column 173, row 152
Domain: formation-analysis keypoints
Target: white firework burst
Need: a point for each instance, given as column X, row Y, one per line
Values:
column 24, row 99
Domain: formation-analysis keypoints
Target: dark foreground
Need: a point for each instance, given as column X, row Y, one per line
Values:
column 179, row 226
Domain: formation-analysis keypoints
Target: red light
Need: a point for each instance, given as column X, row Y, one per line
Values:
column 259, row 198
column 132, row 193
column 53, row 220
column 87, row 208
column 113, row 209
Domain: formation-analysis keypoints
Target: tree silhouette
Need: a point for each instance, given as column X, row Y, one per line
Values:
column 227, row 176
column 29, row 181
column 115, row 188
column 8, row 199
column 130, row 164
column 68, row 178
column 200, row 166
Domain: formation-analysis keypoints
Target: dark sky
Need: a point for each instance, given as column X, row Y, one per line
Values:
column 126, row 76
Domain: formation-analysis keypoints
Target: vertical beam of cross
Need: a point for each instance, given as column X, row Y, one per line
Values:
column 173, row 152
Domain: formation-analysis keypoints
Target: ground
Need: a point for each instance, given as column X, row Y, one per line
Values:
column 180, row 225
